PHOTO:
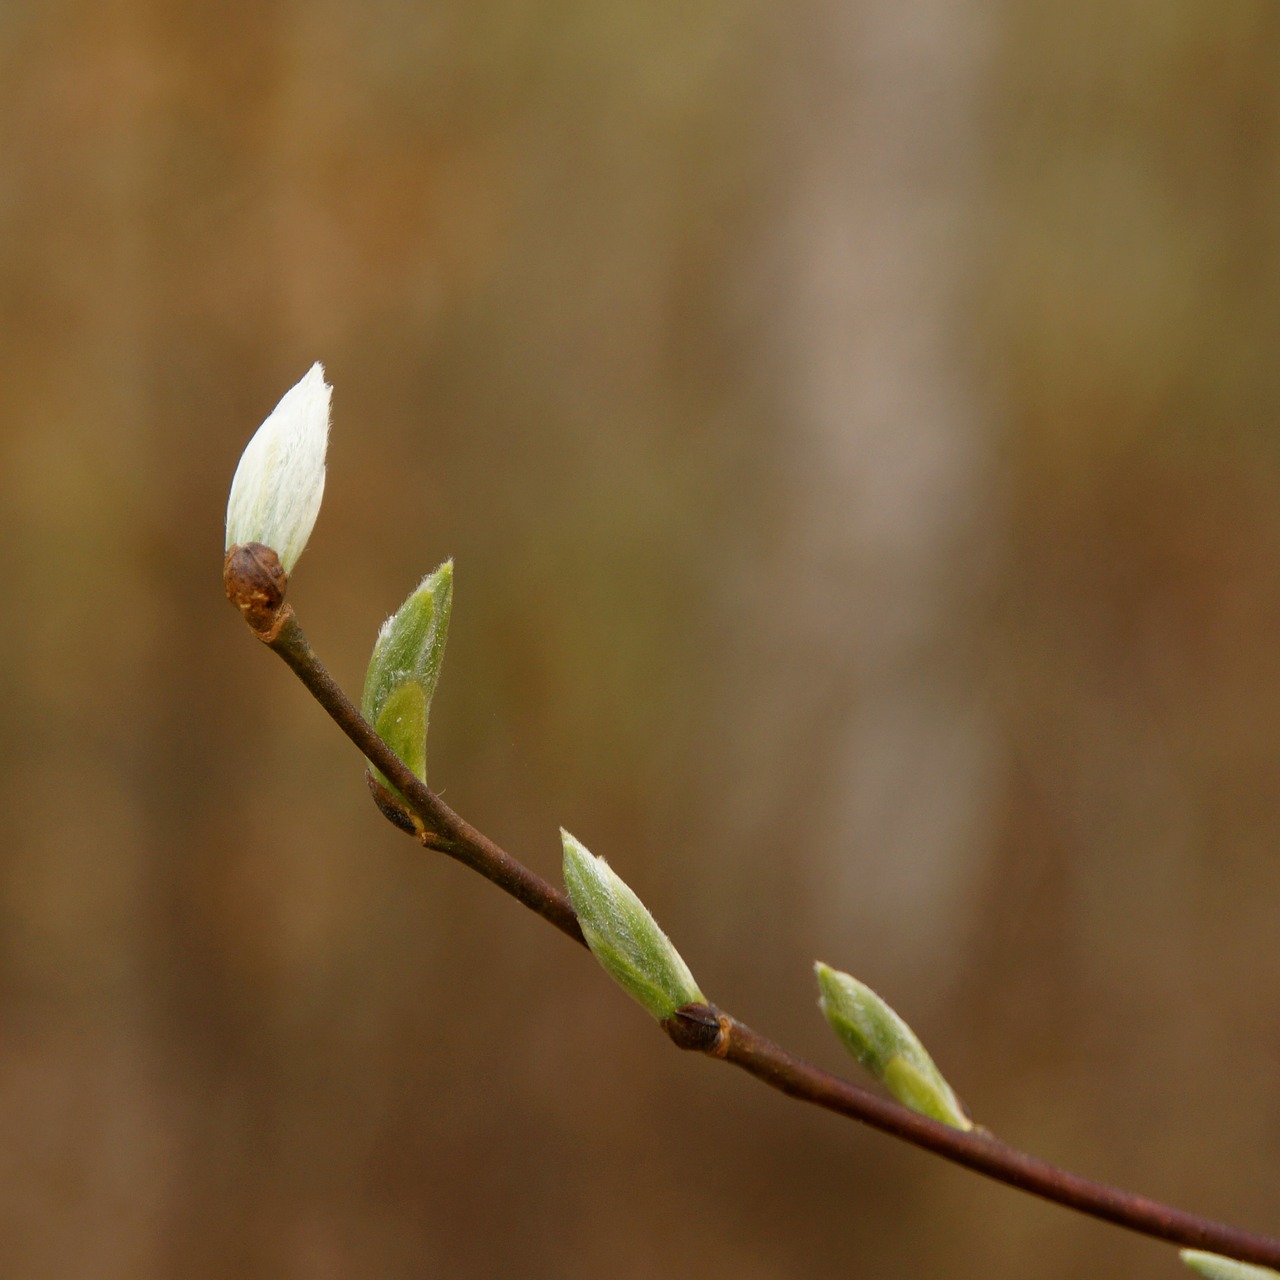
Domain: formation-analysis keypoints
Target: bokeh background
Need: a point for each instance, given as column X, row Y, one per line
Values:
column 857, row 424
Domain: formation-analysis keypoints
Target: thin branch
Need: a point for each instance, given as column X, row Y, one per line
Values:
column 987, row 1155
column 705, row 1029
column 445, row 830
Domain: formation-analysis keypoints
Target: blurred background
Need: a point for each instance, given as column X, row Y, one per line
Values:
column 857, row 425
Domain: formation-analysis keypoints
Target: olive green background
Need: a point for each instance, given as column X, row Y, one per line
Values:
column 857, row 427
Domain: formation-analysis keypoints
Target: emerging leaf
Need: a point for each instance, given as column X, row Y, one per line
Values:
column 623, row 936
column 886, row 1047
column 405, row 668
column 402, row 725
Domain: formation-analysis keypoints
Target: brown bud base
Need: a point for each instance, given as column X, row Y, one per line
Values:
column 700, row 1028
column 393, row 808
column 255, row 582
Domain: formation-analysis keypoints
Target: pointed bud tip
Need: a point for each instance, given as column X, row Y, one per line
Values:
column 439, row 579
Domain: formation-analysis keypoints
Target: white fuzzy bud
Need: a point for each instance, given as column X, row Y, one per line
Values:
column 275, row 496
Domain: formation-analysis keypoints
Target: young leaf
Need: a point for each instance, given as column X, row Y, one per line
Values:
column 405, row 667
column 623, row 936
column 886, row 1047
column 402, row 725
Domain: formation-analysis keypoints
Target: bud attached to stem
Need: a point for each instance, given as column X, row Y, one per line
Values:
column 275, row 498
column 1214, row 1266
column 624, row 937
column 404, row 669
column 885, row 1046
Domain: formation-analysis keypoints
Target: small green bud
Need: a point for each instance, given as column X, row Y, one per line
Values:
column 623, row 936
column 886, row 1047
column 1215, row 1267
column 405, row 667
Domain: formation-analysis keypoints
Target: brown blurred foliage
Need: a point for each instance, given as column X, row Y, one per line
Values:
column 855, row 423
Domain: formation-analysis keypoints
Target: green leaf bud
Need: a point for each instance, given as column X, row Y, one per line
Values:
column 405, row 668
column 886, row 1047
column 1214, row 1266
column 623, row 936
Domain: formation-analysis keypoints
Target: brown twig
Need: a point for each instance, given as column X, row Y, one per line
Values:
column 705, row 1029
column 984, row 1154
column 444, row 829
